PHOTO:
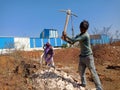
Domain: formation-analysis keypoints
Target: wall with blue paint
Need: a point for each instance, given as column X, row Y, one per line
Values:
column 49, row 33
column 30, row 43
column 6, row 42
column 103, row 39
column 38, row 42
column 52, row 41
column 32, row 40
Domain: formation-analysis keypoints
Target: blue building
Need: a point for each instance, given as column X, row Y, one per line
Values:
column 49, row 33
column 99, row 39
column 51, row 36
column 28, row 43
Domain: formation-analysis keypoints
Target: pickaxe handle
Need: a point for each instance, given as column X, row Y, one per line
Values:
column 66, row 22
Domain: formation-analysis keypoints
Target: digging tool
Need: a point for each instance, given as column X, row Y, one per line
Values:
column 68, row 12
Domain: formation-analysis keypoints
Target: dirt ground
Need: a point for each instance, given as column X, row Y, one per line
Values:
column 16, row 68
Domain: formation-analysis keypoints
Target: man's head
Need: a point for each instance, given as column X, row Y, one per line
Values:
column 84, row 25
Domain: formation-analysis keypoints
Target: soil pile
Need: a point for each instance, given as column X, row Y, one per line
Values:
column 21, row 70
column 109, row 53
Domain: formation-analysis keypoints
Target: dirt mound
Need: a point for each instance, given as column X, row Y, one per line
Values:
column 15, row 68
column 107, row 53
column 116, row 43
column 14, row 75
column 67, row 55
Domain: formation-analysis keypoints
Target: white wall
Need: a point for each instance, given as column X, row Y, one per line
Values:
column 22, row 43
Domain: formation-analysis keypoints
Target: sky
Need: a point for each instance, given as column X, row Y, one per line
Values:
column 28, row 18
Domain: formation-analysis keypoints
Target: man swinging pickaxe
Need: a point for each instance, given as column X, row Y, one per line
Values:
column 68, row 12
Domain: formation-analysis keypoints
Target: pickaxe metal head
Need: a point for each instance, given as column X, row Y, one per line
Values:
column 69, row 12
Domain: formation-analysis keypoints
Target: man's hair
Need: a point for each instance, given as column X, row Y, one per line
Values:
column 84, row 24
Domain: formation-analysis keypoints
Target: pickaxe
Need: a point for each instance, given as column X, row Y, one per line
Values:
column 68, row 12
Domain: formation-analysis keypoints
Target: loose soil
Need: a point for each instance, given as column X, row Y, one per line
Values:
column 17, row 67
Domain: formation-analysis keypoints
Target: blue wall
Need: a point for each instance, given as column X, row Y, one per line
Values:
column 38, row 42
column 104, row 39
column 52, row 41
column 6, row 42
column 45, row 41
column 35, row 42
column 32, row 42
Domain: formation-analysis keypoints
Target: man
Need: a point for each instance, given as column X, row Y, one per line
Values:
column 86, row 56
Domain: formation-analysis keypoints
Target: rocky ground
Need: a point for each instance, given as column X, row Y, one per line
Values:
column 22, row 71
column 51, row 79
